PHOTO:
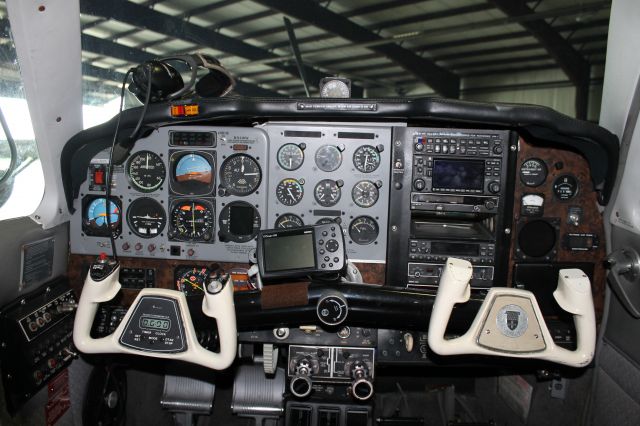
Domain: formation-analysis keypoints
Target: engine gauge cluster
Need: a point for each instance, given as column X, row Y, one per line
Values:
column 332, row 173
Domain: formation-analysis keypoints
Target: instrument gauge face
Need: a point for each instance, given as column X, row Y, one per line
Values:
column 327, row 193
column 288, row 220
column 94, row 222
column 328, row 158
column 191, row 280
column 335, row 88
column 363, row 230
column 240, row 174
column 192, row 172
column 146, row 171
column 533, row 172
column 290, row 156
column 289, row 192
column 365, row 193
column 146, row 217
column 192, row 220
column 366, row 158
column 239, row 222
column 565, row 187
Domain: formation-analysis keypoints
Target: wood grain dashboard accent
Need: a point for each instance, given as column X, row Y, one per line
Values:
column 560, row 162
column 372, row 273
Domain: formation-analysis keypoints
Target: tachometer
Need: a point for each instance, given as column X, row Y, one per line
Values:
column 288, row 220
column 146, row 171
column 146, row 217
column 365, row 193
column 363, row 230
column 291, row 156
column 192, row 220
column 289, row 192
column 240, row 174
column 327, row 192
column 366, row 158
column 328, row 158
column 95, row 216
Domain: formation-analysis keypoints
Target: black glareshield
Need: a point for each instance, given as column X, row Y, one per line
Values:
column 299, row 252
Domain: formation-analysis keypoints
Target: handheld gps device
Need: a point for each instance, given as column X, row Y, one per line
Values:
column 302, row 251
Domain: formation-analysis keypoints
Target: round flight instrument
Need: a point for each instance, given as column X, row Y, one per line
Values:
column 565, row 187
column 239, row 222
column 95, row 218
column 191, row 281
column 327, row 192
column 146, row 171
column 366, row 158
column 192, row 173
column 146, row 217
column 192, row 220
column 289, row 192
column 288, row 220
column 363, row 230
column 533, row 172
column 328, row 158
column 365, row 193
column 290, row 156
column 240, row 174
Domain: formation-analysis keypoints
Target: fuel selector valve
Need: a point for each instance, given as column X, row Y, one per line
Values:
column 361, row 387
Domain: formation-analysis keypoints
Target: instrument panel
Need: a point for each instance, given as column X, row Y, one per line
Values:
column 202, row 193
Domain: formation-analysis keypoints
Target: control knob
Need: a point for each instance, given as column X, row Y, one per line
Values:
column 301, row 384
column 361, row 387
column 419, row 184
column 494, row 187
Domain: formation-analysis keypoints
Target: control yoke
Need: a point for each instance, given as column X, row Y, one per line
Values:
column 158, row 323
column 509, row 322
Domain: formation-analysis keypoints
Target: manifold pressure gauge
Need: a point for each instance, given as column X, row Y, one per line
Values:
column 334, row 87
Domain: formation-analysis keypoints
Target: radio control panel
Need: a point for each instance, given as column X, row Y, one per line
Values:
column 448, row 198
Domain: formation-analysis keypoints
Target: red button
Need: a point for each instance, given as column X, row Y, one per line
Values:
column 98, row 177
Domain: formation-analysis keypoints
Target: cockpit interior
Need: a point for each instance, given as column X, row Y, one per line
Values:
column 319, row 213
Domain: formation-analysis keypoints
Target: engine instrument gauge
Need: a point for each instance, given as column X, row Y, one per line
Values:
column 289, row 192
column 192, row 173
column 288, row 220
column 363, row 230
column 533, row 172
column 94, row 221
column 565, row 187
column 146, row 217
column 191, row 220
column 366, row 158
column 239, row 222
column 146, row 171
column 191, row 280
column 328, row 158
column 290, row 156
column 327, row 192
column 240, row 174
column 365, row 193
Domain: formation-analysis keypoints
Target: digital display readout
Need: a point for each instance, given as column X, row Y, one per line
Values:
column 155, row 323
column 290, row 252
column 460, row 249
column 458, row 174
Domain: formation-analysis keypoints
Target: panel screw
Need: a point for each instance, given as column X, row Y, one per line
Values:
column 394, row 228
column 513, row 147
column 507, row 231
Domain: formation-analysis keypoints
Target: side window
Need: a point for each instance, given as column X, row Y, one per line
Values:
column 21, row 177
